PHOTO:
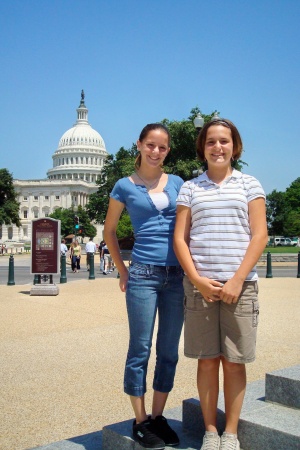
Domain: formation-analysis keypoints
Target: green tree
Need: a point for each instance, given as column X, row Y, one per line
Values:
column 276, row 212
column 66, row 216
column 116, row 166
column 293, row 194
column 292, row 223
column 182, row 161
column 124, row 228
column 84, row 220
column 283, row 211
column 9, row 206
column 292, row 208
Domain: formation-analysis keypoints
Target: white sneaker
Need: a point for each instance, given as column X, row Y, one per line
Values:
column 229, row 441
column 211, row 441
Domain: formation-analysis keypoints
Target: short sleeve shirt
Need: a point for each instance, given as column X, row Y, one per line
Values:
column 153, row 228
column 220, row 231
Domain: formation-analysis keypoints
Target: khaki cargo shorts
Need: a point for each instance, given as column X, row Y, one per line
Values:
column 218, row 329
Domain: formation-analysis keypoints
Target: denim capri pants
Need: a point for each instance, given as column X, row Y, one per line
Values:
column 150, row 289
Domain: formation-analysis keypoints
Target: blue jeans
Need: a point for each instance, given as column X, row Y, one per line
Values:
column 151, row 289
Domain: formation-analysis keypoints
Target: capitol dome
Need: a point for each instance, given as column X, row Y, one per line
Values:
column 81, row 151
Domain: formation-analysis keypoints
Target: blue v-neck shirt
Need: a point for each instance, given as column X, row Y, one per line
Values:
column 153, row 229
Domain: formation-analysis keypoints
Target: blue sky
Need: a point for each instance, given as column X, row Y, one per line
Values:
column 141, row 62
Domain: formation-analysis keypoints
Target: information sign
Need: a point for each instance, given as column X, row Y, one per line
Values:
column 45, row 246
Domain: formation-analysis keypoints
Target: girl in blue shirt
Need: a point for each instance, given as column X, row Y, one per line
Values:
column 153, row 282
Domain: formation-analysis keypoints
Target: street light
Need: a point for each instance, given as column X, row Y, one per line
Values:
column 198, row 122
column 215, row 116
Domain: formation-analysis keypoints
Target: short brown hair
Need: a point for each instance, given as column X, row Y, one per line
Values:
column 236, row 138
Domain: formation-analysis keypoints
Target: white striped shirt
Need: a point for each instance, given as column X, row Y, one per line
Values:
column 220, row 231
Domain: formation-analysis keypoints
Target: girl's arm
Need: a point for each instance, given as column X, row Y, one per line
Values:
column 210, row 289
column 114, row 211
column 258, row 227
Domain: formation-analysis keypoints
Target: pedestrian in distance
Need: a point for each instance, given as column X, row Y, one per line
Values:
column 219, row 236
column 75, row 256
column 63, row 248
column 153, row 282
column 107, row 260
column 90, row 249
column 101, row 245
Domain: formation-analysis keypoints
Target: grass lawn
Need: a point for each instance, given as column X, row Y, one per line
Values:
column 282, row 250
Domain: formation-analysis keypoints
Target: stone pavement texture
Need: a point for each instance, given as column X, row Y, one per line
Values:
column 62, row 358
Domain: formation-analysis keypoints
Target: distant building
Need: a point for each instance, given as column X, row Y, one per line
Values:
column 77, row 164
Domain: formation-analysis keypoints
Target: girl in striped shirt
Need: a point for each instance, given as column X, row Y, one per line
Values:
column 219, row 236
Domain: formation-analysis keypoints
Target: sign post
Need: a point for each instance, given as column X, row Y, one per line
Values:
column 45, row 255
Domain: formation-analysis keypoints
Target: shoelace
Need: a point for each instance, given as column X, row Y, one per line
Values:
column 210, row 442
column 147, row 433
column 228, row 443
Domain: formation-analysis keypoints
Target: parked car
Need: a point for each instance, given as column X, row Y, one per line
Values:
column 295, row 241
column 284, row 242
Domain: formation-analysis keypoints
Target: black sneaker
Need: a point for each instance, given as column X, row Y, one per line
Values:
column 143, row 434
column 162, row 429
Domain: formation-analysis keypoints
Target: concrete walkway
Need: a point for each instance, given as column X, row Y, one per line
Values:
column 62, row 357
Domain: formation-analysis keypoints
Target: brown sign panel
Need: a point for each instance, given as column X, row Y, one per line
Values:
column 45, row 246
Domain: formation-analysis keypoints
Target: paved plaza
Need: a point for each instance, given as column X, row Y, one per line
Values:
column 62, row 357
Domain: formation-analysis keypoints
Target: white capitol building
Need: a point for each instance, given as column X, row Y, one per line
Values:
column 77, row 163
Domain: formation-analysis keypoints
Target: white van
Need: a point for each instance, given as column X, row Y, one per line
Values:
column 284, row 242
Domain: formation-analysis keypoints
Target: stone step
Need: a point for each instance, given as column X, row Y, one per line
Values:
column 91, row 441
column 283, row 387
column 262, row 425
column 119, row 436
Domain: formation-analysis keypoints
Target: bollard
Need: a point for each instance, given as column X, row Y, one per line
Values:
column 11, row 272
column 298, row 274
column 37, row 279
column 269, row 266
column 63, row 269
column 92, row 267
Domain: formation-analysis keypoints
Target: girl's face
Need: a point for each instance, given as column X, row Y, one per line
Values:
column 154, row 148
column 218, row 149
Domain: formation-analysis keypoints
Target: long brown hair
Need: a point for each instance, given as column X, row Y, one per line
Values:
column 144, row 133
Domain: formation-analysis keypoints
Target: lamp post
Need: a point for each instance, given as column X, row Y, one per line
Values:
column 198, row 122
column 215, row 116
